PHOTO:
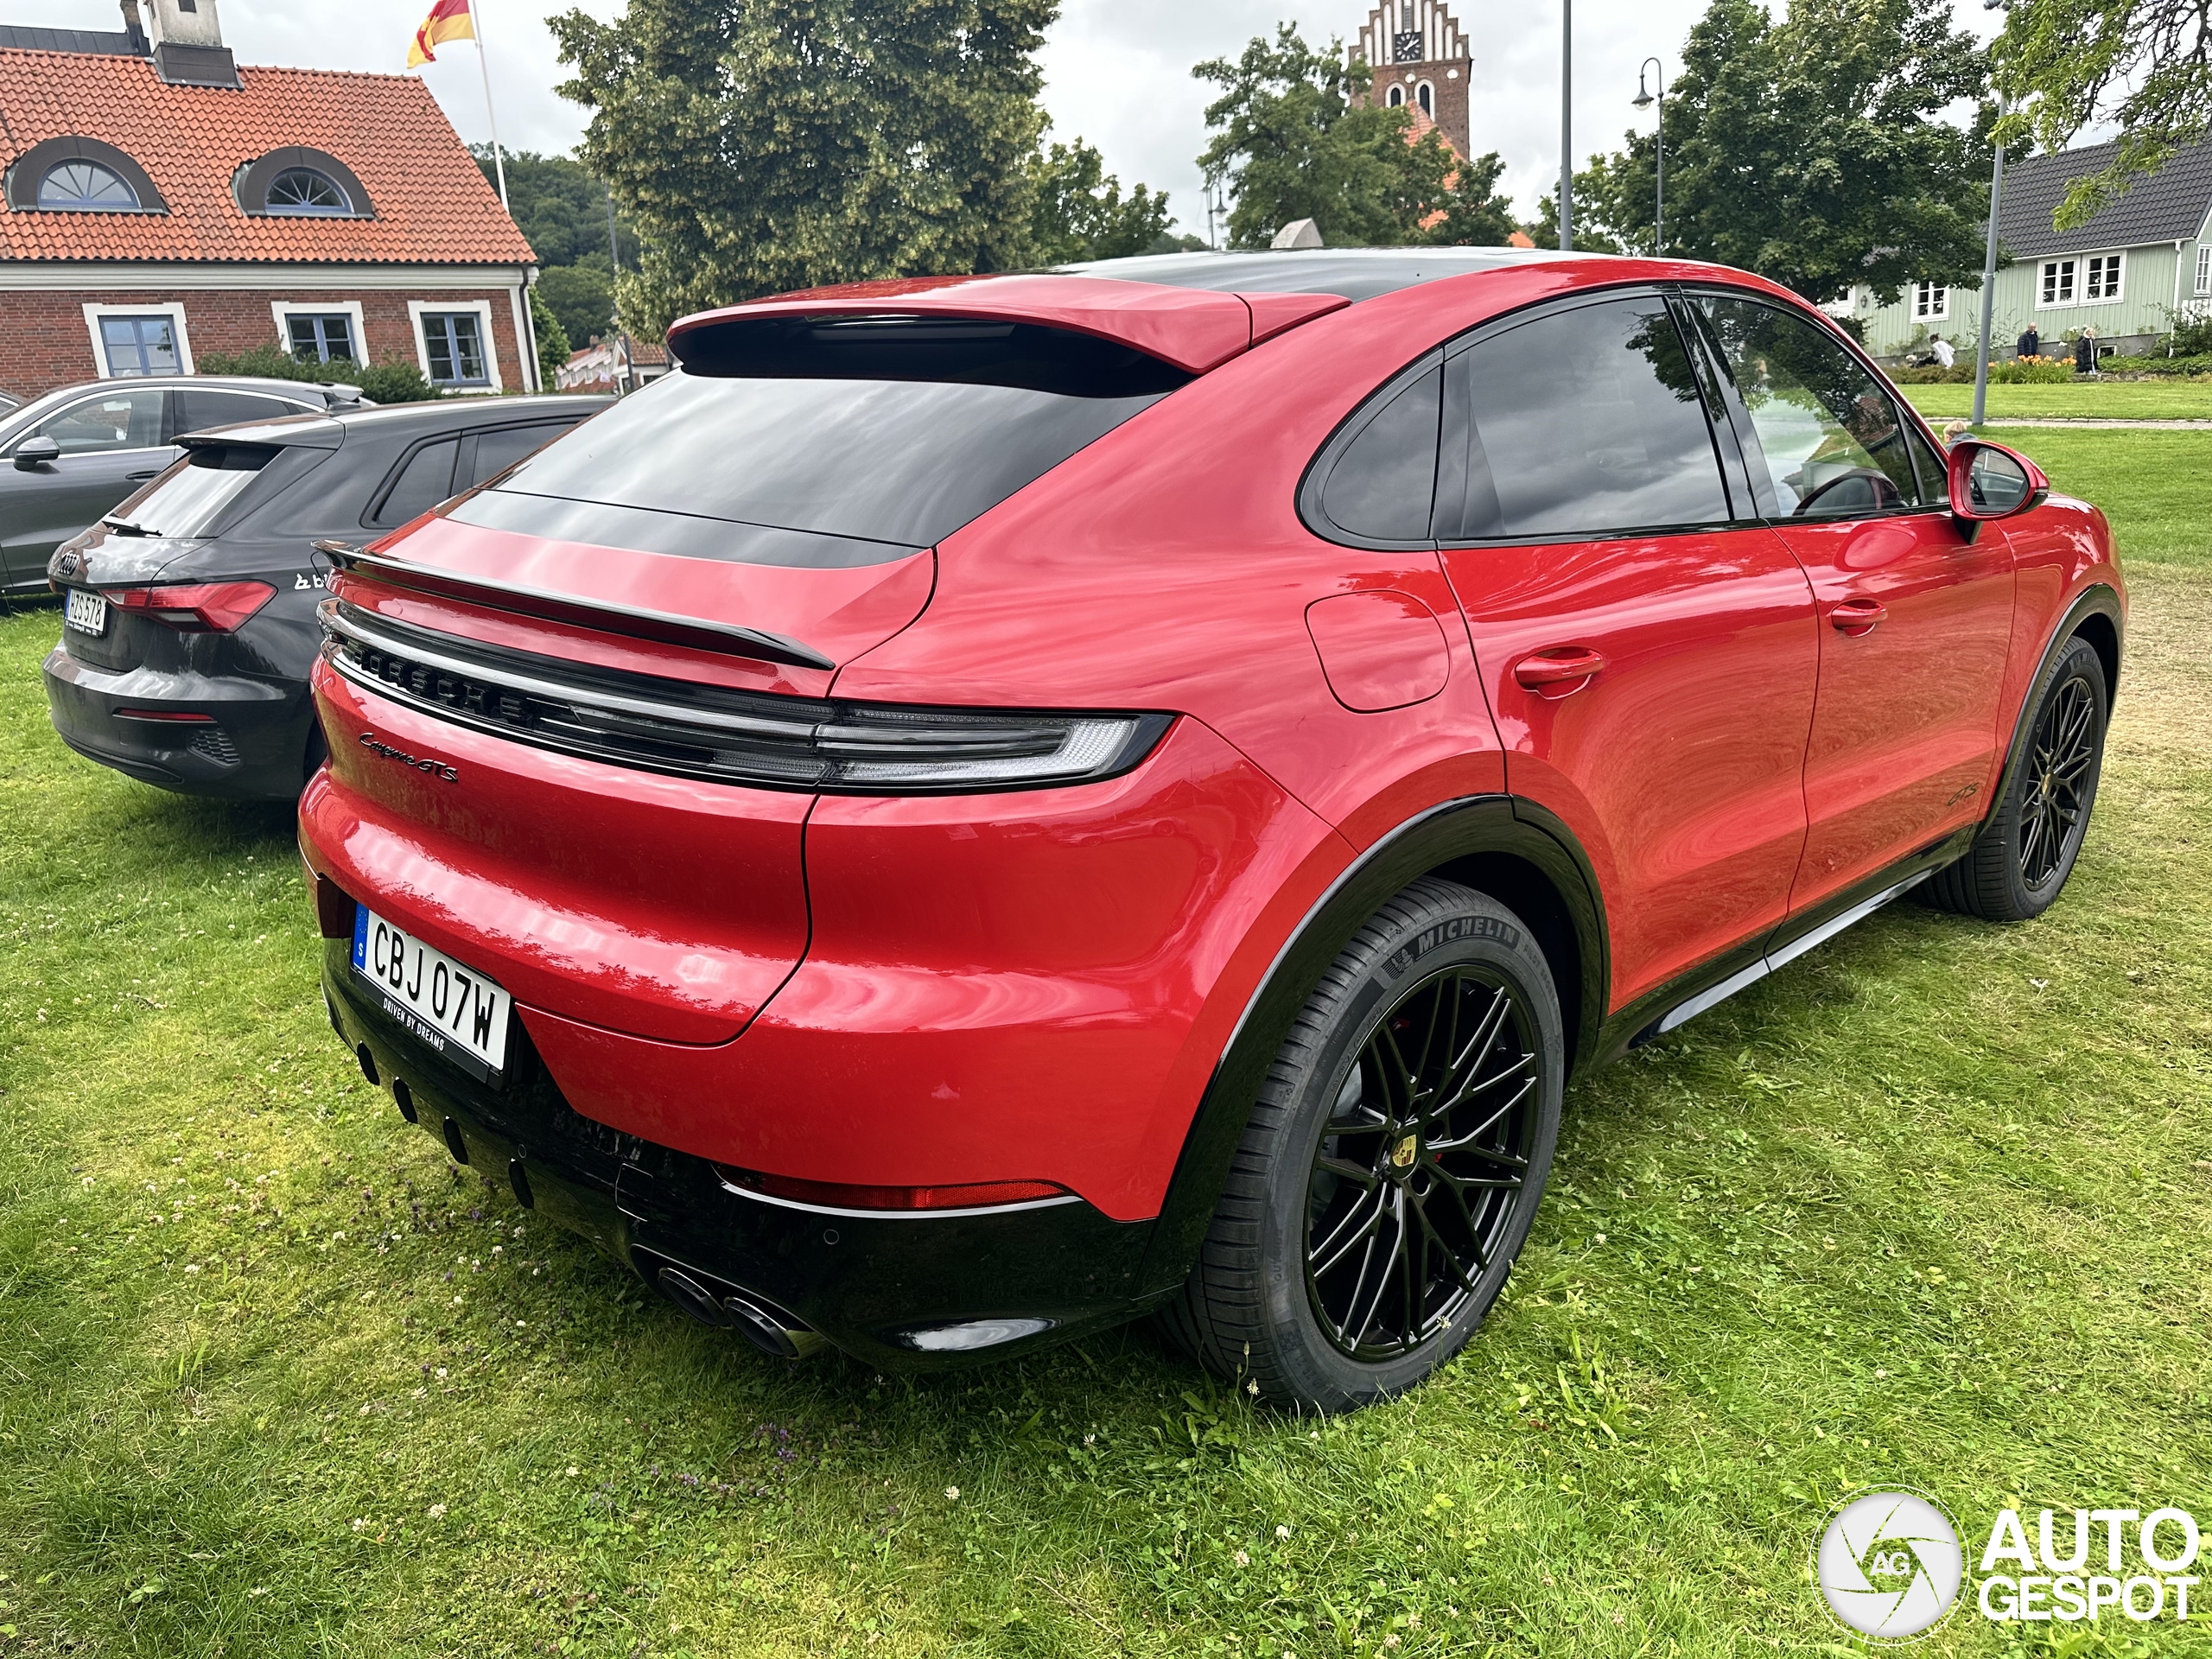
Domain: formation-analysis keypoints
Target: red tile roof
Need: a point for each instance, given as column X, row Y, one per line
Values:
column 432, row 205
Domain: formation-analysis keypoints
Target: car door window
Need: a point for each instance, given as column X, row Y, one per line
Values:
column 109, row 423
column 500, row 448
column 425, row 479
column 204, row 408
column 1833, row 443
column 1580, row 422
column 1381, row 485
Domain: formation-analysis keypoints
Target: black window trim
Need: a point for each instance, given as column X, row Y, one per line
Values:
column 29, row 172
column 250, row 185
column 1755, row 456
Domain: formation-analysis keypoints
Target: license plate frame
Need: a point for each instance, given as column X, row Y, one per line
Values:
column 86, row 610
column 461, row 1016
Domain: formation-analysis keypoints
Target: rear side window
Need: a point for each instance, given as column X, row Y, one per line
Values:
column 894, row 432
column 1381, row 485
column 1580, row 423
column 500, row 448
column 425, row 479
column 203, row 408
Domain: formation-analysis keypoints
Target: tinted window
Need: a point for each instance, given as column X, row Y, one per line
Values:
column 204, row 409
column 499, row 449
column 114, row 420
column 185, row 500
column 894, row 433
column 1382, row 485
column 1834, row 444
column 425, row 479
column 1576, row 424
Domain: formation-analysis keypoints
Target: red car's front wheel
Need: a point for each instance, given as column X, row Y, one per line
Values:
column 1393, row 1162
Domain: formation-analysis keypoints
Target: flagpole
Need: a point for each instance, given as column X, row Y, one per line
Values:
column 498, row 165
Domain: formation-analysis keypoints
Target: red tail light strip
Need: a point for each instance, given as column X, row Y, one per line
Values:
column 836, row 1195
column 198, row 607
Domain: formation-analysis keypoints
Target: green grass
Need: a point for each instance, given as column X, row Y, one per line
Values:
column 277, row 1379
column 2111, row 400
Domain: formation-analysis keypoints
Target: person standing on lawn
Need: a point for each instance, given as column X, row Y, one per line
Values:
column 2030, row 343
column 1946, row 354
column 2085, row 351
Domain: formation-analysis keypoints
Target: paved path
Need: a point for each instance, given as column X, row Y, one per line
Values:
column 2152, row 426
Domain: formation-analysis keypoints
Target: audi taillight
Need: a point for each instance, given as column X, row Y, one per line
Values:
column 195, row 607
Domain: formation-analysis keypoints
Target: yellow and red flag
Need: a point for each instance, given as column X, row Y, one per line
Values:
column 449, row 20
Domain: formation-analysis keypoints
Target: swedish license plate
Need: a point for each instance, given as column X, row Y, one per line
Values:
column 454, row 1012
column 85, row 611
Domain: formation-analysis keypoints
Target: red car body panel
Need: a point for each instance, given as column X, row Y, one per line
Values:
column 1039, row 984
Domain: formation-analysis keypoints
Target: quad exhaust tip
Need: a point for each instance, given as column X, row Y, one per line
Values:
column 771, row 1331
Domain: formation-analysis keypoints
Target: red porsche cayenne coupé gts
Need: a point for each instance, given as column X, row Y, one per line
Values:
column 983, row 807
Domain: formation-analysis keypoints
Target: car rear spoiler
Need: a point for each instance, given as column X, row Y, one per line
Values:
column 627, row 619
column 1194, row 329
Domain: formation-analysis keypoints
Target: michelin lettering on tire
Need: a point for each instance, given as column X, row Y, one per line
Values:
column 1889, row 1564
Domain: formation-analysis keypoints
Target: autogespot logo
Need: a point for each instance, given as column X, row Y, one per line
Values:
column 1889, row 1564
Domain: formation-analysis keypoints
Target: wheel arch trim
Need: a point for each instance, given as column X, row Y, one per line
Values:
column 1470, row 827
column 2098, row 600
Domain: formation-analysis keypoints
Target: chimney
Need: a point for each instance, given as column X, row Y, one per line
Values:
column 188, row 49
column 136, row 28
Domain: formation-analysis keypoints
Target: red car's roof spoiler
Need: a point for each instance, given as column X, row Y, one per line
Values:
column 1195, row 329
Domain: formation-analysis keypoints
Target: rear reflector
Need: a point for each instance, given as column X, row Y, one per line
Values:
column 334, row 909
column 836, row 1195
column 172, row 716
column 196, row 607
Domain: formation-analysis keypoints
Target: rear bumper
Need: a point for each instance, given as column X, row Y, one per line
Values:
column 908, row 1290
column 252, row 748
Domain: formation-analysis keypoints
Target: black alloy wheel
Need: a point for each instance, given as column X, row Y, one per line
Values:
column 1393, row 1161
column 1423, row 1166
column 2020, row 862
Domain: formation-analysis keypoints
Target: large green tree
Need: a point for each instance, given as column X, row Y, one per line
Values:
column 758, row 145
column 2143, row 65
column 1081, row 212
column 1813, row 149
column 1295, row 138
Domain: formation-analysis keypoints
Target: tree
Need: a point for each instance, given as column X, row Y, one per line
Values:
column 1475, row 215
column 553, row 348
column 2145, row 64
column 1298, row 140
column 1812, row 149
column 759, row 145
column 582, row 296
column 1081, row 212
column 559, row 206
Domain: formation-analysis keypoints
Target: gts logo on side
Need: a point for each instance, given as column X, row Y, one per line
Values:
column 435, row 768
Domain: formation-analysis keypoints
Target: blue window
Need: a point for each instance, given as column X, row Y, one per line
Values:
column 140, row 345
column 318, row 337
column 85, row 187
column 454, row 342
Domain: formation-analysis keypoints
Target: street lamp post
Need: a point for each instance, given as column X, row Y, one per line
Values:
column 1566, row 126
column 1644, row 100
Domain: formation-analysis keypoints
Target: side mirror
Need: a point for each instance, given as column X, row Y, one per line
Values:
column 1987, row 480
column 35, row 453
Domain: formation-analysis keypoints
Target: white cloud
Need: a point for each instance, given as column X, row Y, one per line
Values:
column 1117, row 72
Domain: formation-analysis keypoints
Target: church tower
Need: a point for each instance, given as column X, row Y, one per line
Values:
column 1419, row 57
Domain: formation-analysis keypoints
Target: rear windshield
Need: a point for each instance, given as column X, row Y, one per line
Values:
column 826, row 442
column 185, row 499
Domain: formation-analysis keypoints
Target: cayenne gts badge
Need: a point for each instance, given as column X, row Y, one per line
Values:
column 435, row 768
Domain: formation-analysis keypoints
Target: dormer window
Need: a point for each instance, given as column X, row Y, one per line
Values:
column 85, row 187
column 296, row 182
column 302, row 191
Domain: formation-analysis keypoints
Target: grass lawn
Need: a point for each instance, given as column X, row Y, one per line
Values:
column 2109, row 400
column 277, row 1379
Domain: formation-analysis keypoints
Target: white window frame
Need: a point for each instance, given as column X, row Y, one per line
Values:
column 416, row 308
column 173, row 309
column 2117, row 275
column 1931, row 301
column 2204, row 268
column 280, row 312
column 2072, row 297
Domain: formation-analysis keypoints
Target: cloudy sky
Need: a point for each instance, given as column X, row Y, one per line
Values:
column 1117, row 72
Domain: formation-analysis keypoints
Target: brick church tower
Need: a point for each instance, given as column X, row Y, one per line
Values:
column 1418, row 56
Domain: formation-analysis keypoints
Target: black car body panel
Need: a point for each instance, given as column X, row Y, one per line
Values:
column 134, row 697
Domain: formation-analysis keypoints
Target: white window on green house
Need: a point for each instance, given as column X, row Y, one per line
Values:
column 1931, row 301
column 2057, row 283
column 2204, row 268
column 2103, row 277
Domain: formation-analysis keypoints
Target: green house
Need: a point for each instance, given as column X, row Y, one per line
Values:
column 2127, row 273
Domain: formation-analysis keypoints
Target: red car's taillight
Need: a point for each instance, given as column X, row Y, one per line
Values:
column 198, row 607
column 837, row 1195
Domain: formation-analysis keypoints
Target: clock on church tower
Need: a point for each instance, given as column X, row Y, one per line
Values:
column 1418, row 57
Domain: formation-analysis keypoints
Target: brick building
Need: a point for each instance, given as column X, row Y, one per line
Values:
column 1418, row 56
column 160, row 201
